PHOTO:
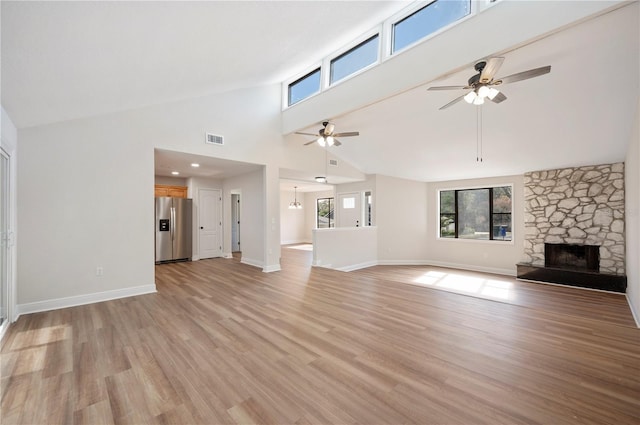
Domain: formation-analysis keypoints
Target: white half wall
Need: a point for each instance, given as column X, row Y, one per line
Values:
column 345, row 248
column 632, row 218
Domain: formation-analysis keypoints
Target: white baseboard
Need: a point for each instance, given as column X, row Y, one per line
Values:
column 272, row 268
column 358, row 266
column 293, row 242
column 74, row 301
column 404, row 263
column 633, row 312
column 251, row 262
column 227, row 255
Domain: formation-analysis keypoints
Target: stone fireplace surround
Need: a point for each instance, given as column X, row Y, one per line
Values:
column 576, row 206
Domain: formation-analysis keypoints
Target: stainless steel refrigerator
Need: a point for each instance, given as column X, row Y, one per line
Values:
column 173, row 229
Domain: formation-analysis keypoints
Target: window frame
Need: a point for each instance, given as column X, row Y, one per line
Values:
column 407, row 13
column 491, row 214
column 351, row 47
column 367, row 209
column 332, row 201
column 298, row 78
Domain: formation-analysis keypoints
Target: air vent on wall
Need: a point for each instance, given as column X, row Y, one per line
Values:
column 214, row 139
column 333, row 162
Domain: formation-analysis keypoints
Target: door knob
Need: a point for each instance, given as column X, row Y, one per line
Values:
column 201, row 228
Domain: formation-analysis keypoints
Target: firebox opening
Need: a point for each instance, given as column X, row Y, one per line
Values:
column 569, row 256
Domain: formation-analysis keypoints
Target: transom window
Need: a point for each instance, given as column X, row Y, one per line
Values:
column 427, row 20
column 304, row 87
column 408, row 27
column 355, row 59
column 482, row 214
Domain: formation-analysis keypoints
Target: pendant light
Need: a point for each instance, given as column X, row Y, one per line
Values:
column 295, row 204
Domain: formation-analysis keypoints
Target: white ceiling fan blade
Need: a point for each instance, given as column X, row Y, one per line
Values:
column 347, row 134
column 490, row 69
column 525, row 75
column 448, row 88
column 453, row 102
column 328, row 129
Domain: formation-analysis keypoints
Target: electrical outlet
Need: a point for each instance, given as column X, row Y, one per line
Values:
column 99, row 271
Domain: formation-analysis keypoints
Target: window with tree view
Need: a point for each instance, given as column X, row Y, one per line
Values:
column 324, row 213
column 483, row 214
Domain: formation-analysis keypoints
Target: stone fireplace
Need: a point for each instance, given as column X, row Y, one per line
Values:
column 574, row 221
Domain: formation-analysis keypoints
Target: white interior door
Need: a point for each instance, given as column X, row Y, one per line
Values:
column 210, row 223
column 349, row 208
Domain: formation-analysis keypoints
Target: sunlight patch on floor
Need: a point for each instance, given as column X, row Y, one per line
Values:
column 478, row 286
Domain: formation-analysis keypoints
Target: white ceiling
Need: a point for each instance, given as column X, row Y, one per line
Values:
column 209, row 167
column 67, row 60
column 580, row 113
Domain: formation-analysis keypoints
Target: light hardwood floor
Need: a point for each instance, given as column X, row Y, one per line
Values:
column 224, row 343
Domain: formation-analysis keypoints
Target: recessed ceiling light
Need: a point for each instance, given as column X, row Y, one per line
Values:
column 195, row 165
column 175, row 173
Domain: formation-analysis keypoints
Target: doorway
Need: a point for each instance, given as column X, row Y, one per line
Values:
column 235, row 222
column 210, row 223
column 349, row 210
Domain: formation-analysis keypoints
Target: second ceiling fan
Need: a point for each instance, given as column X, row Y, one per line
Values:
column 482, row 84
column 326, row 136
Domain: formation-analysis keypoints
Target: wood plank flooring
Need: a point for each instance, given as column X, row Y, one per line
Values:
column 223, row 343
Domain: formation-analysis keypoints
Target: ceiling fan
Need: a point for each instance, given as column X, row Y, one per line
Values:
column 482, row 84
column 326, row 136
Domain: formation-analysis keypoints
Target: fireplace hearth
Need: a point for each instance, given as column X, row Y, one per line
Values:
column 573, row 265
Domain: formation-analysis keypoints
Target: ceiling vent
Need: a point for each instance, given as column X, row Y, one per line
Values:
column 333, row 162
column 214, row 139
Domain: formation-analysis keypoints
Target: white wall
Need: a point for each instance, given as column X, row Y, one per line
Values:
column 250, row 187
column 400, row 208
column 105, row 217
column 86, row 188
column 292, row 221
column 489, row 256
column 632, row 219
column 9, row 143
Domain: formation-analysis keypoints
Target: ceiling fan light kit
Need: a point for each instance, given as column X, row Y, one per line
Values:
column 481, row 84
column 326, row 136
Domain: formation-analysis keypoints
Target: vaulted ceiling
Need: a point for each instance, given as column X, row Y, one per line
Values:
column 67, row 60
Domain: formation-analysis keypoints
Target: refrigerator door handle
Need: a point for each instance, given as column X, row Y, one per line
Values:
column 172, row 222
